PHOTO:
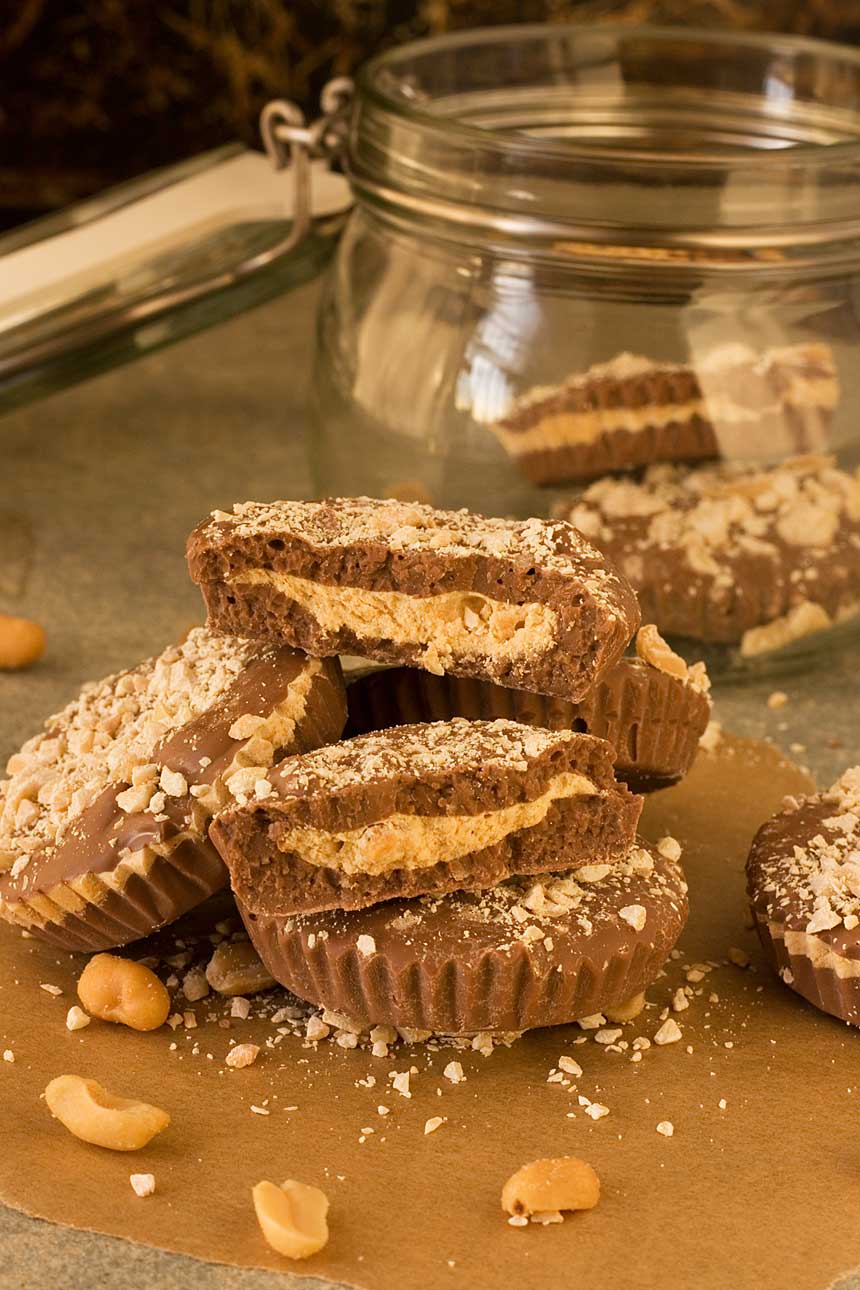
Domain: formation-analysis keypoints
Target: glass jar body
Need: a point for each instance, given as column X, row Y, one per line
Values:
column 614, row 275
column 427, row 345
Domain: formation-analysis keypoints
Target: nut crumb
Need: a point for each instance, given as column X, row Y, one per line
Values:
column 435, row 1122
column 194, row 985
column 142, row 1184
column 76, row 1018
column 400, row 1084
column 666, row 1128
column 593, row 1022
column 242, row 1055
column 635, row 915
column 669, row 1032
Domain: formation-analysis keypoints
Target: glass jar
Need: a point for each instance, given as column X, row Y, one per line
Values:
column 535, row 201
column 562, row 233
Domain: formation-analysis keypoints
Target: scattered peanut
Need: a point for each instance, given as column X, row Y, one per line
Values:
column 238, row 969
column 292, row 1217
column 626, row 1011
column 94, row 1115
column 548, row 1185
column 121, row 990
column 22, row 643
column 652, row 649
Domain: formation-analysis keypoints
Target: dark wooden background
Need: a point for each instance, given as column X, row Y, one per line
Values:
column 95, row 91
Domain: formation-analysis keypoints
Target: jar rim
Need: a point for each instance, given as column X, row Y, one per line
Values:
column 513, row 140
column 538, row 129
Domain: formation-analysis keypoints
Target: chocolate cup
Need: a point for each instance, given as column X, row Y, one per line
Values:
column 88, row 894
column 782, row 905
column 110, row 916
column 439, row 964
column 652, row 719
column 821, row 986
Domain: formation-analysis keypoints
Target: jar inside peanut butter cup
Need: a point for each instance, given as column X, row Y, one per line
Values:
column 613, row 274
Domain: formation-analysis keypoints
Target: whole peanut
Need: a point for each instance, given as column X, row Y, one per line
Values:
column 292, row 1217
column 548, row 1185
column 22, row 643
column 651, row 648
column 94, row 1115
column 121, row 990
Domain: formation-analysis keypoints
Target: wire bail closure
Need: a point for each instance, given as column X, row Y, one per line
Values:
column 292, row 143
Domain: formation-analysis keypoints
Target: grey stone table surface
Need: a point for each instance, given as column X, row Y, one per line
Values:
column 99, row 487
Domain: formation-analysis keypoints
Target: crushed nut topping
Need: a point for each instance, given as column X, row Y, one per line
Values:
column 110, row 735
column 817, row 882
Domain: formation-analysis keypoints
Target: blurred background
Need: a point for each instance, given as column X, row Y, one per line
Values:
column 96, row 91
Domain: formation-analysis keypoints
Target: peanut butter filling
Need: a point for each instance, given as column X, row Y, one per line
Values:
column 558, row 429
column 455, row 622
column 420, row 841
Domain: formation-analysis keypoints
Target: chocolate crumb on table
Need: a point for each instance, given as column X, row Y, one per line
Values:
column 523, row 603
column 631, row 412
column 731, row 553
column 103, row 816
column 426, row 808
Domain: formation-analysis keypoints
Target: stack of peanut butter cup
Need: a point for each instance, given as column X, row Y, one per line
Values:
column 466, row 859
column 448, row 844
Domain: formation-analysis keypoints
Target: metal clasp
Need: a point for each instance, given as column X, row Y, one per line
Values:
column 291, row 142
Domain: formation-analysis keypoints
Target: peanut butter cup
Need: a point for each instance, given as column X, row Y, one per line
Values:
column 426, row 808
column 803, row 877
column 652, row 709
column 524, row 954
column 632, row 411
column 104, row 815
column 527, row 604
column 733, row 553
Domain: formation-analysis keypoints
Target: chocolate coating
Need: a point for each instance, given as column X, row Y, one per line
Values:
column 716, row 551
column 778, row 414
column 417, row 552
column 463, row 963
column 368, row 780
column 83, row 894
column 822, row 965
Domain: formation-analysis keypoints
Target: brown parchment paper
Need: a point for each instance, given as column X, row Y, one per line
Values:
column 765, row 1193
